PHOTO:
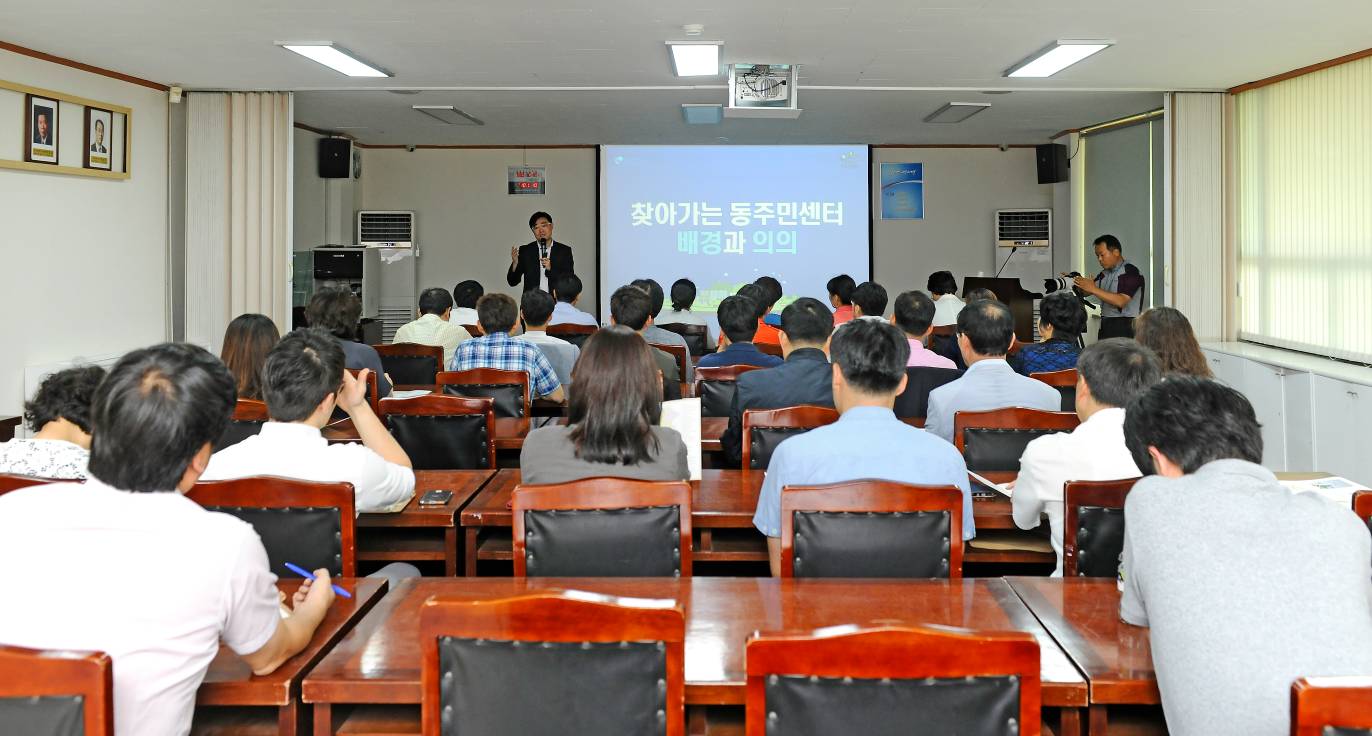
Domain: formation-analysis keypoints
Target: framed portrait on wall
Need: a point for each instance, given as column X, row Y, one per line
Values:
column 40, row 129
column 99, row 139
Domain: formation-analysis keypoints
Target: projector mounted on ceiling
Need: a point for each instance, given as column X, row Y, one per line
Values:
column 762, row 91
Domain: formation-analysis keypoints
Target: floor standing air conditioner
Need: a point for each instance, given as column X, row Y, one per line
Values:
column 1024, row 249
column 391, row 233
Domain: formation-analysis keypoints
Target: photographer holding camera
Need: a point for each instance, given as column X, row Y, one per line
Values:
column 1119, row 287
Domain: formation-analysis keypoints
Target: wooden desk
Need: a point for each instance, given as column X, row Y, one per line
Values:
column 8, row 426
column 509, row 432
column 1083, row 615
column 421, row 533
column 378, row 662
column 230, row 682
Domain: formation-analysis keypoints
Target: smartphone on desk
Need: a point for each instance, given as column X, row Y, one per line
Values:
column 435, row 498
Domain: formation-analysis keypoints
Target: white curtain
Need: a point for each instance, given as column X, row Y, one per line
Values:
column 1201, row 288
column 238, row 200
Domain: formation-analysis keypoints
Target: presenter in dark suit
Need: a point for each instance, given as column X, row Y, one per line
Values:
column 539, row 262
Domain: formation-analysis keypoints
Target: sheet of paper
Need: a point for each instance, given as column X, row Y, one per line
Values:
column 1335, row 488
column 1000, row 488
column 415, row 393
column 683, row 415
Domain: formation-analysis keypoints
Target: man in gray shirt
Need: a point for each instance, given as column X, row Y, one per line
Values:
column 1244, row 584
column 656, row 335
column 1118, row 287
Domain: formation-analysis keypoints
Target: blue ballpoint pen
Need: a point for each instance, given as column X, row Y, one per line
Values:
column 302, row 572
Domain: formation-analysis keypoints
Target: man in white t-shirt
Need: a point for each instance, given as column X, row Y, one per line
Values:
column 1110, row 374
column 465, row 295
column 943, row 289
column 127, row 565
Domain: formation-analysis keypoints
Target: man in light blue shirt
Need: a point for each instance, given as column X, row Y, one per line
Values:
column 867, row 441
column 567, row 291
column 535, row 307
column 985, row 329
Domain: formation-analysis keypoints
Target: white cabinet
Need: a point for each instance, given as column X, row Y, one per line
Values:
column 1342, row 415
column 1265, row 387
column 1227, row 368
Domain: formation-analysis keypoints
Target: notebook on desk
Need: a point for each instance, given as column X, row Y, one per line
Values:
column 986, row 487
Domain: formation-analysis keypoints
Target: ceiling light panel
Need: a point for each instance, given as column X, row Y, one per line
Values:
column 956, row 112
column 1055, row 57
column 695, row 58
column 336, row 58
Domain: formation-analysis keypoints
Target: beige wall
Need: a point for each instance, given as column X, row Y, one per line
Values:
column 84, row 259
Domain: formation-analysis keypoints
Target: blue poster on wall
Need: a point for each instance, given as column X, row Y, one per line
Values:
column 902, row 191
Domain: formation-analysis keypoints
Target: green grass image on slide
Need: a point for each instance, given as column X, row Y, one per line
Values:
column 708, row 298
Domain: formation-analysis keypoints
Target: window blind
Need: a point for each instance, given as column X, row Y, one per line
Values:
column 1304, row 184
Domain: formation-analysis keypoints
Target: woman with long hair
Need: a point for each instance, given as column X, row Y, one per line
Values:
column 1168, row 333
column 612, row 419
column 246, row 343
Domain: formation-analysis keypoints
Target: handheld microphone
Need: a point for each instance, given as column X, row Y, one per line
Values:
column 542, row 247
column 1007, row 260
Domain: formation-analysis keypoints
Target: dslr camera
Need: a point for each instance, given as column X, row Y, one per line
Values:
column 1058, row 283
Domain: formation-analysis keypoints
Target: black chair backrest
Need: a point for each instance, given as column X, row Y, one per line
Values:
column 716, row 397
column 872, row 544
column 998, row 449
column 763, row 441
column 509, row 397
column 1069, row 397
column 310, row 537
column 411, row 369
column 627, row 542
column 968, row 706
column 237, row 431
column 1100, row 541
column 697, row 337
column 919, row 381
column 55, row 692
column 457, row 442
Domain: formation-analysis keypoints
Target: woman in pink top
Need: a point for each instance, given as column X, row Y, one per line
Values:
column 841, row 297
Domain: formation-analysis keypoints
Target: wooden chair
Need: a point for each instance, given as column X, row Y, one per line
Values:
column 871, row 529
column 12, row 482
column 574, row 334
column 46, row 691
column 409, row 363
column 1065, row 381
column 945, row 331
column 1093, row 527
column 764, row 429
column 373, row 389
column 1334, row 706
column 473, row 330
column 509, row 389
column 697, row 337
column 882, row 679
column 310, row 524
column 248, row 417
column 603, row 527
column 444, row 432
column 715, row 387
column 585, row 662
column 678, row 352
column 994, row 440
column 769, row 348
column 1362, row 506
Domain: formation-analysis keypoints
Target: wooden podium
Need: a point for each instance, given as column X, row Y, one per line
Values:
column 1009, row 291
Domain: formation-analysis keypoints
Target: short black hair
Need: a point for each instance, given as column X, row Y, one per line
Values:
column 806, row 321
column 871, row 298
column 535, row 217
column 988, row 326
column 654, row 290
column 754, row 294
column 771, row 291
column 466, row 293
column 683, row 294
column 496, row 313
column 1192, row 421
column 1109, row 241
column 631, row 306
column 842, row 287
column 335, row 310
column 1064, row 311
column 65, row 394
column 737, row 318
column 537, row 307
column 436, row 300
column 872, row 355
column 305, row 367
column 1117, row 370
column 158, row 408
column 914, row 312
column 942, row 282
column 566, row 287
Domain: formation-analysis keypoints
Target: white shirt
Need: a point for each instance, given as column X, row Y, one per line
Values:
column 685, row 317
column 565, row 313
column 299, row 451
column 152, row 579
column 43, row 458
column 430, row 329
column 1095, row 450
column 462, row 316
column 946, row 309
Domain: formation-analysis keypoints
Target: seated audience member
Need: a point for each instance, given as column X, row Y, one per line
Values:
column 126, row 565
column 535, row 309
column 737, row 324
column 337, row 312
column 613, row 413
column 632, row 307
column 771, row 293
column 765, row 333
column 1109, row 375
column 840, row 290
column 985, row 330
column 465, row 295
column 496, row 316
column 867, row 441
column 914, row 314
column 654, row 334
column 944, row 289
column 1167, row 332
column 869, row 300
column 567, row 291
column 303, row 381
column 683, row 297
column 1062, row 319
column 247, row 341
column 981, row 294
column 804, row 377
column 1244, row 584
column 59, row 415
column 435, row 325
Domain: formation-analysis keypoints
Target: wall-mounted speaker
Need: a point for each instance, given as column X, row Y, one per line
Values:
column 1052, row 161
column 335, row 157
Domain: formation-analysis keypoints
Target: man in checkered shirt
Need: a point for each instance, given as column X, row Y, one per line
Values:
column 496, row 315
